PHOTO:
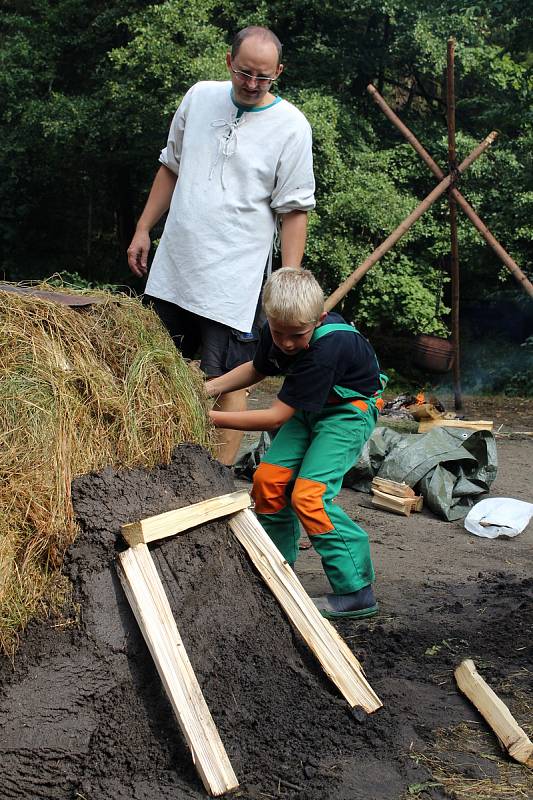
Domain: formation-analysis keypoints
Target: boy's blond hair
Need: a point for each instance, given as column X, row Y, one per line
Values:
column 293, row 297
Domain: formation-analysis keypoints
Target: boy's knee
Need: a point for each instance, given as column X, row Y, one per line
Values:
column 308, row 502
column 269, row 489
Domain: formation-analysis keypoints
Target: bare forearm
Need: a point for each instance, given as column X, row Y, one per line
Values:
column 263, row 420
column 159, row 198
column 239, row 378
column 158, row 202
column 293, row 237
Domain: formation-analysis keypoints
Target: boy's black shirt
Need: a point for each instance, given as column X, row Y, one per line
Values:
column 340, row 358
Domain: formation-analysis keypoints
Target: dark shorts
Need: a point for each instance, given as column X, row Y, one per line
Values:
column 219, row 348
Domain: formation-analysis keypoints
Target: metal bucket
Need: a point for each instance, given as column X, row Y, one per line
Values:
column 433, row 353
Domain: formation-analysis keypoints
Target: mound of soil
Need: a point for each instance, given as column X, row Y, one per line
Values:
column 83, row 714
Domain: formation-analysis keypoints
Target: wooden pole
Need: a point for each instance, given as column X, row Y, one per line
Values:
column 391, row 240
column 454, row 246
column 510, row 735
column 511, row 265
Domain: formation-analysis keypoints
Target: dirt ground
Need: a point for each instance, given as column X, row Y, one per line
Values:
column 83, row 715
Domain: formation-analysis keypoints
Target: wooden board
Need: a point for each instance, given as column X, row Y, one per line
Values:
column 512, row 738
column 334, row 655
column 172, row 522
column 476, row 425
column 149, row 603
column 392, row 487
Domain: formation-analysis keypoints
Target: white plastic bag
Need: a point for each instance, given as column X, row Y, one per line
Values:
column 498, row 516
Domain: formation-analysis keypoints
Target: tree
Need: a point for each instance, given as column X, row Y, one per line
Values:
column 87, row 94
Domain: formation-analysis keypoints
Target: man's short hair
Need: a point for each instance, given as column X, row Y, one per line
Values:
column 255, row 30
column 293, row 297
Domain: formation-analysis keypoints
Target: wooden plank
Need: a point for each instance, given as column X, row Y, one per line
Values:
column 172, row 522
column 149, row 603
column 73, row 300
column 392, row 487
column 512, row 738
column 512, row 433
column 477, row 425
column 398, row 505
column 337, row 660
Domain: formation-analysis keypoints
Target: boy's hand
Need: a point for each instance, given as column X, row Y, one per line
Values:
column 214, row 415
column 209, row 389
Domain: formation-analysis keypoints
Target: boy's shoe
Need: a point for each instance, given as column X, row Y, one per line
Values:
column 355, row 605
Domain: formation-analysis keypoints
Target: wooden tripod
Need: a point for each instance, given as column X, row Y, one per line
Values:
column 455, row 198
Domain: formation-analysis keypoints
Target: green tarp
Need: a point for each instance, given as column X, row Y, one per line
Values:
column 449, row 467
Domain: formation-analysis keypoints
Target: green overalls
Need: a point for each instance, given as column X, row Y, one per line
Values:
column 313, row 451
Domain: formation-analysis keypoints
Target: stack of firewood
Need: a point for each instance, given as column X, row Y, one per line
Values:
column 396, row 497
column 429, row 417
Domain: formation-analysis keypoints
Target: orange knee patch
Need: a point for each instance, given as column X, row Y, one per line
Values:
column 360, row 404
column 270, row 483
column 307, row 501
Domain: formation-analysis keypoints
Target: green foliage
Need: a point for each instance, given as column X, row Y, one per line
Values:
column 170, row 47
column 73, row 280
column 514, row 384
column 364, row 195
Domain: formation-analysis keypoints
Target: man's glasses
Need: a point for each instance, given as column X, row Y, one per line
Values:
column 244, row 77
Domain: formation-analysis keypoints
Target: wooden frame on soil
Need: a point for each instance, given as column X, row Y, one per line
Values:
column 149, row 603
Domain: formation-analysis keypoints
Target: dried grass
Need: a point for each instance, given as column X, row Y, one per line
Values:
column 79, row 390
column 514, row 781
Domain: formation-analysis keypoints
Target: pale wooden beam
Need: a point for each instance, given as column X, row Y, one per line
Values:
column 149, row 603
column 511, row 736
column 172, row 522
column 334, row 655
column 471, row 424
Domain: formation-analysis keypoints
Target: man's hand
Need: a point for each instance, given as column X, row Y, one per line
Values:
column 138, row 253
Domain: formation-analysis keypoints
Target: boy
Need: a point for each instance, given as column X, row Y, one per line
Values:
column 326, row 410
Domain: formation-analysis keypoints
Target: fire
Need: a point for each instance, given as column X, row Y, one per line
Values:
column 420, row 398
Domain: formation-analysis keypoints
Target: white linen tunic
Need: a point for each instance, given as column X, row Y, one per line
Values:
column 237, row 169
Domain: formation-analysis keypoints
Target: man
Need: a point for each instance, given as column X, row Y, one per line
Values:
column 237, row 158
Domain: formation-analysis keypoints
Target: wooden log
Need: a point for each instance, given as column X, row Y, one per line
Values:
column 172, row 522
column 392, row 487
column 511, row 736
column 424, row 411
column 417, row 503
column 471, row 424
column 454, row 244
column 388, row 502
column 149, row 603
column 337, row 660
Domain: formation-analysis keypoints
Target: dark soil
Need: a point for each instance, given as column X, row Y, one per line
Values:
column 83, row 714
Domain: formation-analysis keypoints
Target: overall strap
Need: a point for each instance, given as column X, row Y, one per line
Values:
column 330, row 328
column 323, row 330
